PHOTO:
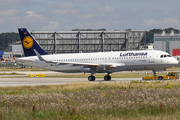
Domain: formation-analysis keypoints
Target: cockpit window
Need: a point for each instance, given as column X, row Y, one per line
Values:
column 163, row 56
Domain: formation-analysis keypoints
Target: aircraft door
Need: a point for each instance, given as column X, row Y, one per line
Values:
column 151, row 57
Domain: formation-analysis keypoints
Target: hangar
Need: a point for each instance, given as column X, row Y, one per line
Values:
column 168, row 42
column 89, row 41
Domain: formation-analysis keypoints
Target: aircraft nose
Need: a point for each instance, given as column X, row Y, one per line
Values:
column 176, row 62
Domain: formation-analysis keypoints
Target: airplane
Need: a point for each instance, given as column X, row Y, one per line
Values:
column 98, row 62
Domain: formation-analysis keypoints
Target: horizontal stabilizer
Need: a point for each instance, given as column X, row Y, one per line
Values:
column 23, row 61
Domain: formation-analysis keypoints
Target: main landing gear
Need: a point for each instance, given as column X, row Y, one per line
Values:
column 107, row 77
column 92, row 78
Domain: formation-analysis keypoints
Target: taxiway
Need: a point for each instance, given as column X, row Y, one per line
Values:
column 24, row 80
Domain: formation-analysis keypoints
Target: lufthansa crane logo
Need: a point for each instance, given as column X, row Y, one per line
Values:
column 27, row 42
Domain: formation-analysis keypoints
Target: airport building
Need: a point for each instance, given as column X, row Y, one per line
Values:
column 83, row 41
column 15, row 49
column 89, row 41
column 168, row 42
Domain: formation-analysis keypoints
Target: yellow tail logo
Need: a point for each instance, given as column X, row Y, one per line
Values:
column 28, row 42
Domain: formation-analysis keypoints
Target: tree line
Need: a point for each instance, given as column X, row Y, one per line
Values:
column 8, row 38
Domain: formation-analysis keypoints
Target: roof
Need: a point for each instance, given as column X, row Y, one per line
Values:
column 164, row 34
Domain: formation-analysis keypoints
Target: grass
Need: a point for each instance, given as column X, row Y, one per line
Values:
column 86, row 86
column 136, row 100
column 125, row 75
column 20, row 69
column 174, row 69
column 12, row 73
column 131, row 100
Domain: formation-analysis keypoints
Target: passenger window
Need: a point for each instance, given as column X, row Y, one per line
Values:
column 161, row 56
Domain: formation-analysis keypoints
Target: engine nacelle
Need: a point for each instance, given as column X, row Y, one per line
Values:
column 85, row 69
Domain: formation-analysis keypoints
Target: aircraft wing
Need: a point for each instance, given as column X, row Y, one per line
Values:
column 111, row 65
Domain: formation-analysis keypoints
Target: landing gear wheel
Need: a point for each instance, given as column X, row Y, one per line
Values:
column 160, row 78
column 91, row 78
column 107, row 78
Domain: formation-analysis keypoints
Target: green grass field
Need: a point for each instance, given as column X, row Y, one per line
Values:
column 86, row 101
column 11, row 73
column 20, row 69
column 125, row 75
column 135, row 100
column 114, row 75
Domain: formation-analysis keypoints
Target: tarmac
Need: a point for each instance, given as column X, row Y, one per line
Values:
column 25, row 80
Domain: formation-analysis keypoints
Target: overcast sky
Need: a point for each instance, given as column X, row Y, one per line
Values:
column 65, row 15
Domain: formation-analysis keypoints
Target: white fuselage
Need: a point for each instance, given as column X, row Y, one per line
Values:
column 123, row 60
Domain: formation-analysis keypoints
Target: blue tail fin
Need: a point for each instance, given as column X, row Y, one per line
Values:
column 29, row 44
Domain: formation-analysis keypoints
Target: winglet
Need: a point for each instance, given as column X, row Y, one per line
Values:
column 39, row 56
column 29, row 43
